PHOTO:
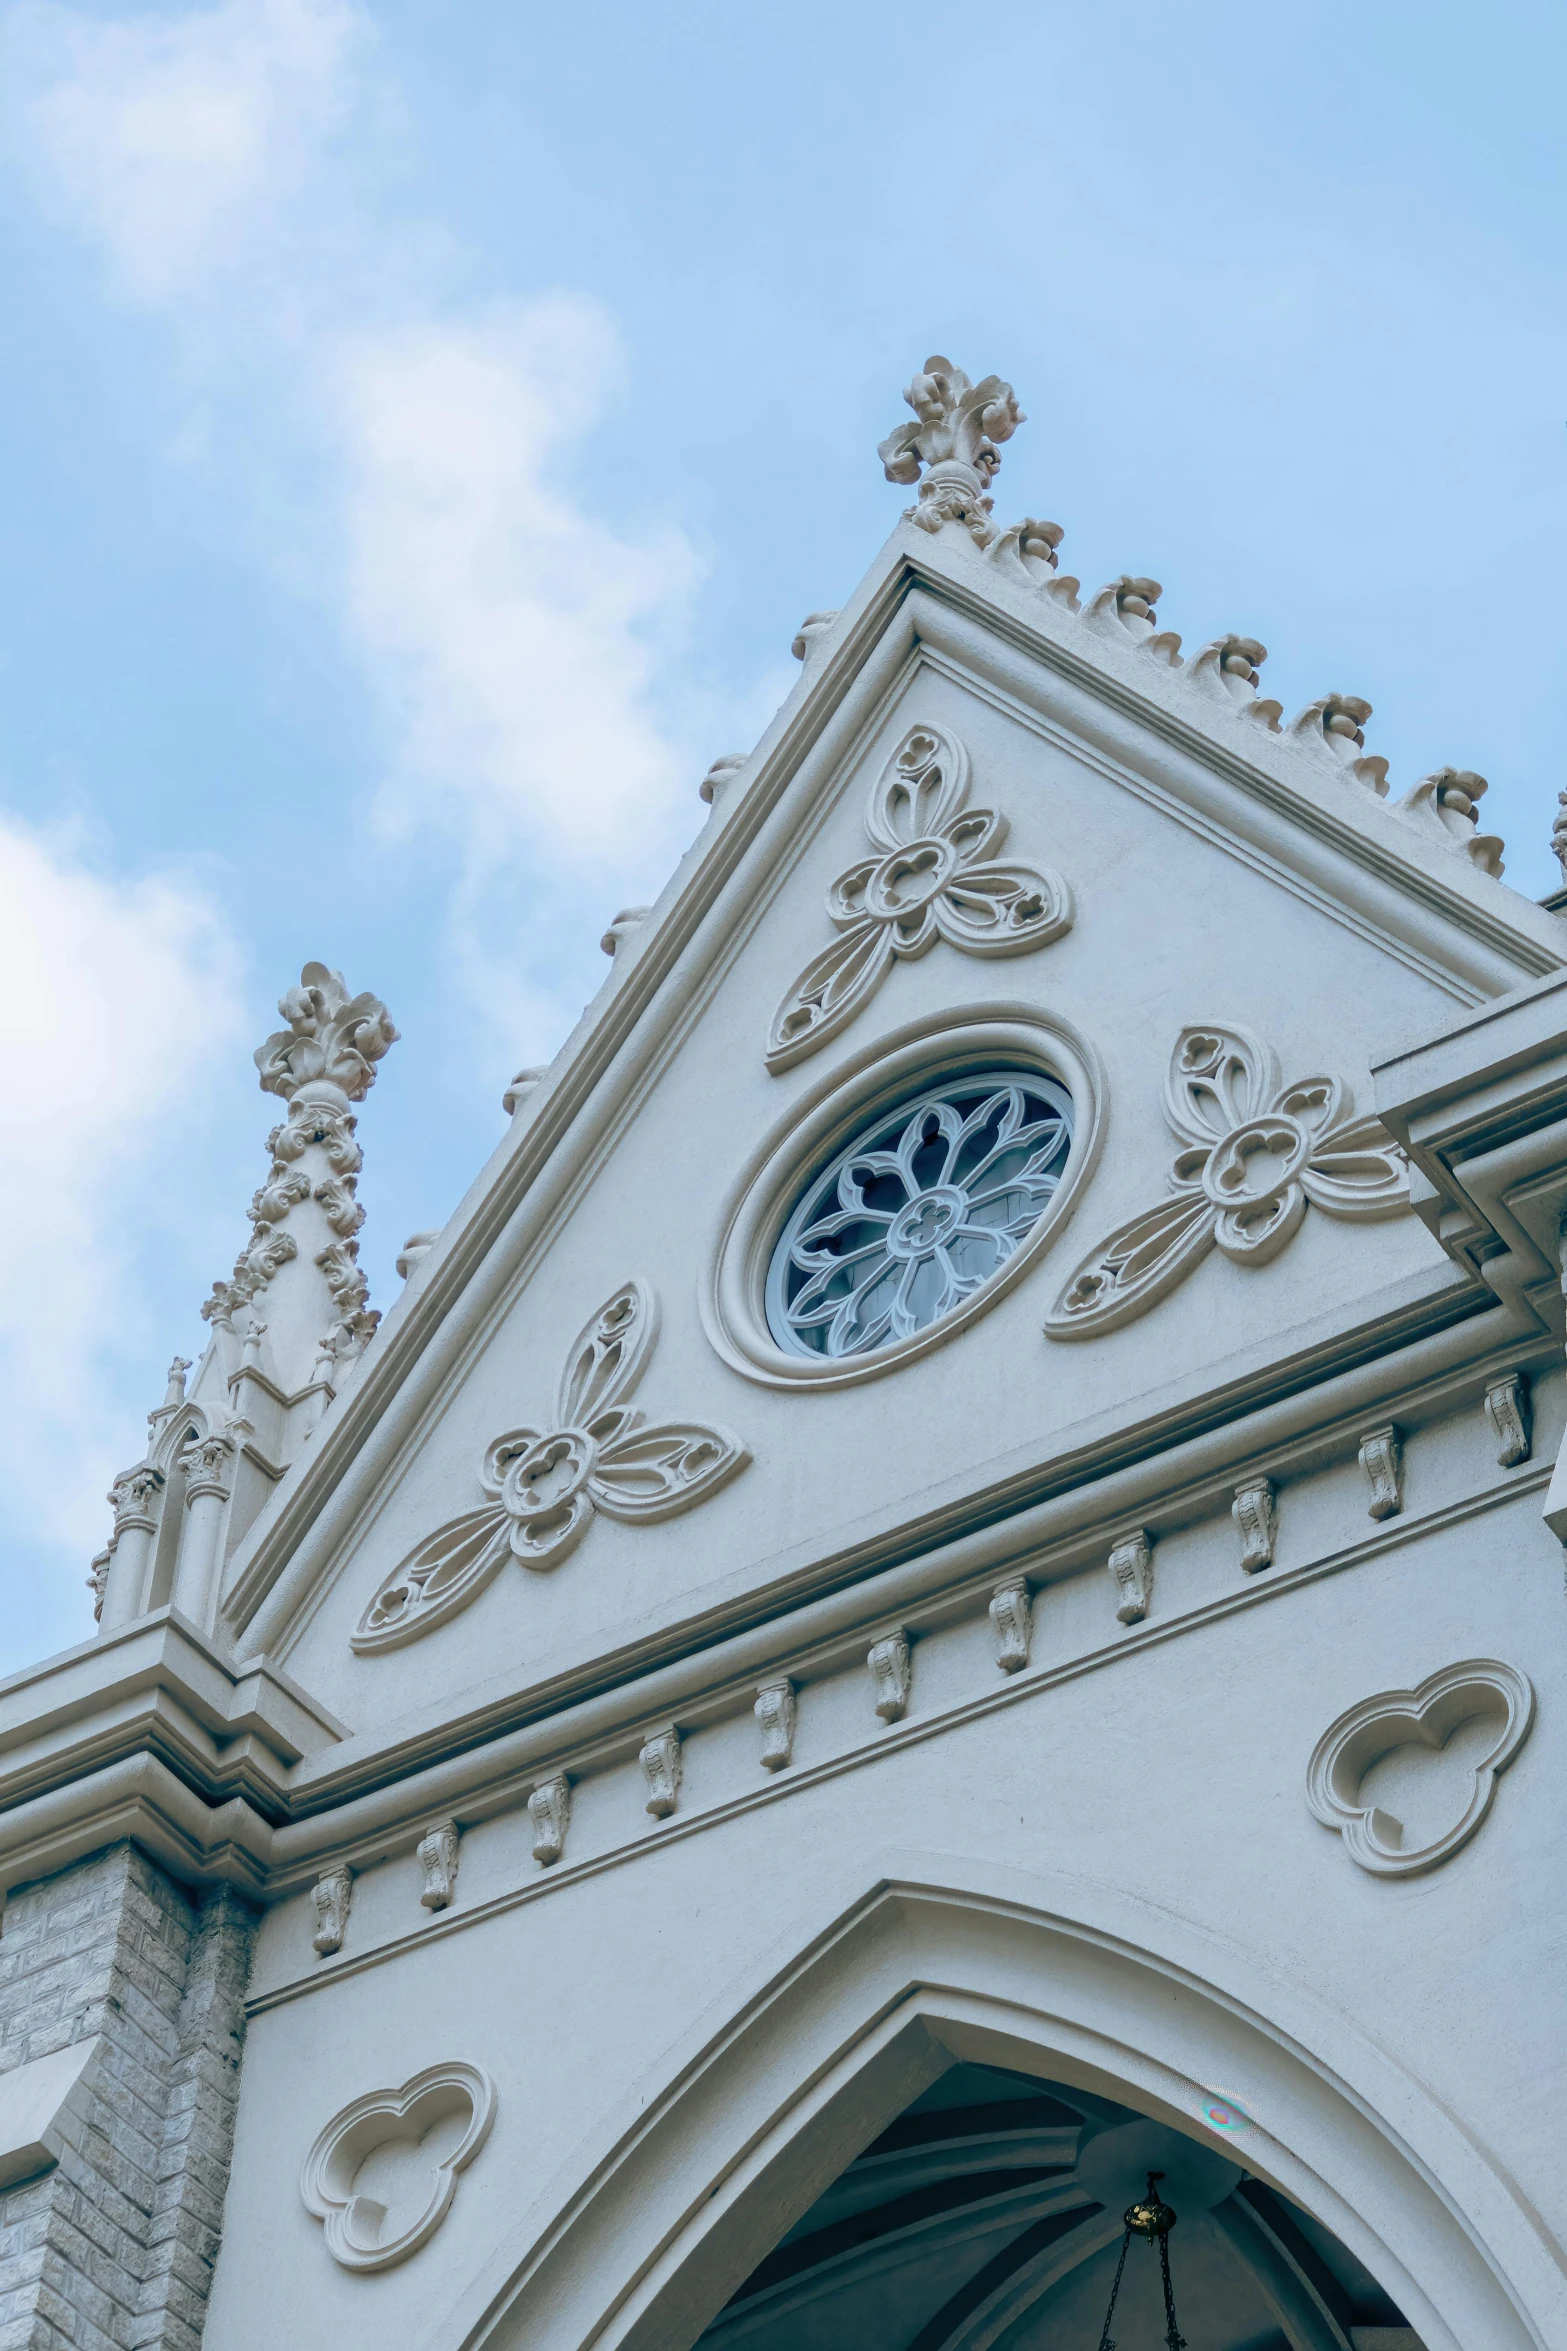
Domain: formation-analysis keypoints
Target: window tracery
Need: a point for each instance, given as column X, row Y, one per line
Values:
column 920, row 1210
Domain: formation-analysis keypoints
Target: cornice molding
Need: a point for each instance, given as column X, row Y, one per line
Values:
column 372, row 1832
column 233, row 1772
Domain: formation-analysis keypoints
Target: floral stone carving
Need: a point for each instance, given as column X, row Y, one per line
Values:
column 545, row 1485
column 382, row 2175
column 330, row 1034
column 1482, row 1689
column 954, row 439
column 933, row 877
column 1253, row 1154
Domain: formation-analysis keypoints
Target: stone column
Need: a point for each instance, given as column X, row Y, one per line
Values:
column 209, row 1481
column 135, row 1524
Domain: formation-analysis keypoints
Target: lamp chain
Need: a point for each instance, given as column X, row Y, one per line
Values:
column 1153, row 2219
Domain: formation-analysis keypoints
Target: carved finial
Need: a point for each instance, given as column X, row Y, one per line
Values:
column 1444, row 806
column 954, row 439
column 628, row 920
column 174, row 1395
column 1559, row 835
column 723, row 771
column 330, row 1035
column 810, row 633
column 416, row 1249
column 1335, row 723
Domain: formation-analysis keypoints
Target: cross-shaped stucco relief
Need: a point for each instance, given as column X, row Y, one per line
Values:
column 545, row 1485
column 934, row 876
column 1253, row 1154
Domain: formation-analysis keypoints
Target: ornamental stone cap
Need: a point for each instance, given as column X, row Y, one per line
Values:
column 331, row 1036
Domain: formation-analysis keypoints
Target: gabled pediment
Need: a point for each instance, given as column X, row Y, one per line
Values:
column 996, row 826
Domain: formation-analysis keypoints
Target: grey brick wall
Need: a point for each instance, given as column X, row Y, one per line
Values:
column 113, row 2249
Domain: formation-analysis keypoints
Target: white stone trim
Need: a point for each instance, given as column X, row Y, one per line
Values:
column 326, row 2184
column 1425, row 1716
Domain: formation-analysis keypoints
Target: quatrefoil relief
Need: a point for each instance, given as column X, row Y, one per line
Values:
column 382, row 2175
column 1488, row 1705
column 934, row 876
column 1253, row 1154
column 546, row 1485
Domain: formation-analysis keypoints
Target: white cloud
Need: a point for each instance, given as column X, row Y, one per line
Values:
column 407, row 455
column 515, row 640
column 512, row 642
column 170, row 140
column 117, row 997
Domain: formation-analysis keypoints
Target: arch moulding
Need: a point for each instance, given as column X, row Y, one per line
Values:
column 748, row 2119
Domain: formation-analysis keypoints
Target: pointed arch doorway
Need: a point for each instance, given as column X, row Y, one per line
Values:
column 1105, row 2006
column 988, row 2217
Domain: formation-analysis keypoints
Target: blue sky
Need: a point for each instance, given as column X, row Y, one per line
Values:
column 425, row 424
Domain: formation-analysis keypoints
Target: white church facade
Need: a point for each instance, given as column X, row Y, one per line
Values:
column 916, row 1694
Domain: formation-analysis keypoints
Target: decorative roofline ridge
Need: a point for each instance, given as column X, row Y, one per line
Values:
column 954, row 442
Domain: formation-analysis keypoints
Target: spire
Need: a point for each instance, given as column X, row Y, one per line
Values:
column 954, row 439
column 318, row 1313
column 288, row 1325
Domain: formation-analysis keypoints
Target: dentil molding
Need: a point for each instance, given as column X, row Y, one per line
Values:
column 545, row 1485
column 934, row 876
column 382, row 2174
column 1426, row 1716
column 1253, row 1153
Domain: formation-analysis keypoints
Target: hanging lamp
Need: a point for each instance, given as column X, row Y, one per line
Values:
column 1151, row 2219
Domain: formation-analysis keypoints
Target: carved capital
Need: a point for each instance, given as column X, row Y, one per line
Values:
column 1011, row 1615
column 436, row 1854
column 1253, row 1511
column 1507, row 1410
column 131, row 1498
column 775, row 1711
column 662, row 1766
column 331, row 1037
column 1131, row 1572
column 331, row 1898
column 1382, row 1459
column 889, row 1666
column 208, row 1464
column 549, row 1807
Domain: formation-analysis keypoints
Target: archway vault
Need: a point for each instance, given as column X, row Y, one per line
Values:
column 937, row 1960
